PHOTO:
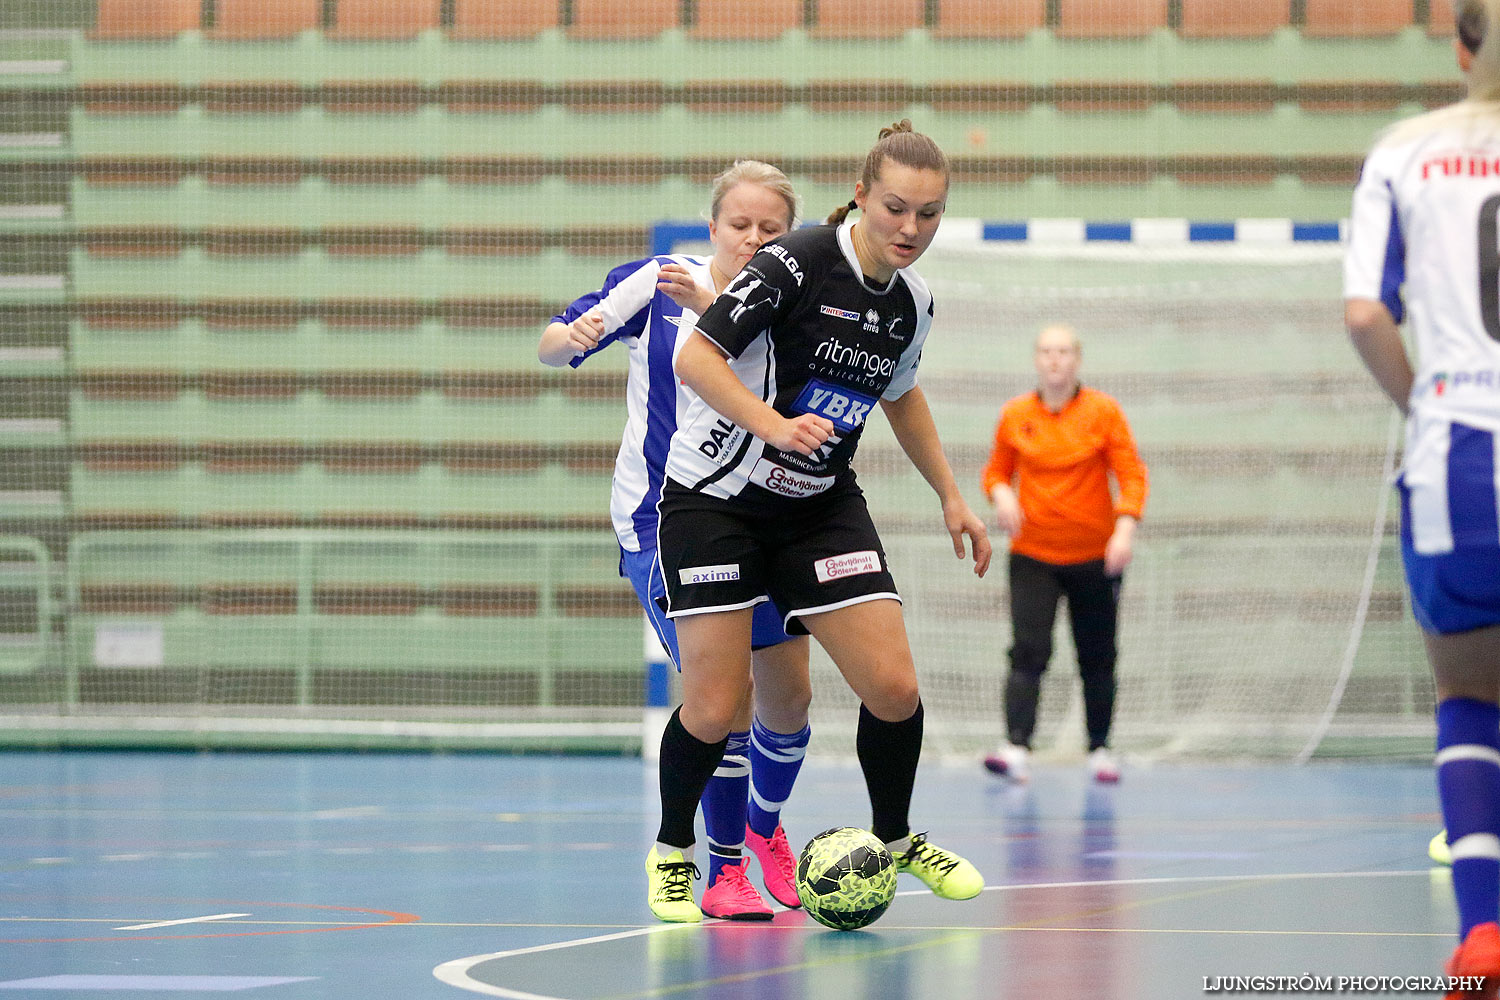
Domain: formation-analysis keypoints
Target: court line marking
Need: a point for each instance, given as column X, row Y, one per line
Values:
column 456, row 971
column 184, row 920
column 393, row 917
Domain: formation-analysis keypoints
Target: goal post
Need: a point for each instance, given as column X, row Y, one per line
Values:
column 1264, row 614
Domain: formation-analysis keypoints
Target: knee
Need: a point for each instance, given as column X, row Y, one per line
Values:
column 709, row 720
column 1030, row 657
column 895, row 698
column 786, row 710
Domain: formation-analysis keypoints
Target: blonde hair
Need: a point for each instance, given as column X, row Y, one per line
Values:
column 755, row 172
column 905, row 145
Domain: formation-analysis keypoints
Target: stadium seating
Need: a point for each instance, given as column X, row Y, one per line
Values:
column 1356, row 18
column 1110, row 18
column 1233, row 18
column 612, row 20
column 492, row 20
column 1440, row 18
column 305, row 280
column 137, row 20
column 720, row 20
column 259, row 19
column 384, row 20
column 867, row 18
column 983, row 19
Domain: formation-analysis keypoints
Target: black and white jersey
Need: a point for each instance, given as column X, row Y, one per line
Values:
column 805, row 332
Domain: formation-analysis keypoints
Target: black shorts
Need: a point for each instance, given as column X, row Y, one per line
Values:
column 809, row 556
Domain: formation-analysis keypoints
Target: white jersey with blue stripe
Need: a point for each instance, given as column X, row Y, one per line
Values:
column 1425, row 241
column 651, row 325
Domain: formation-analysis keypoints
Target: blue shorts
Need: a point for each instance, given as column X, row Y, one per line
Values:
column 644, row 573
column 1455, row 591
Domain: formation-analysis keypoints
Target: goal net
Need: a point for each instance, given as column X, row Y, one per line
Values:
column 281, row 467
column 1264, row 614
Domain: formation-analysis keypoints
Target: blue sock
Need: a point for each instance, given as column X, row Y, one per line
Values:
column 775, row 759
column 1468, row 778
column 724, row 806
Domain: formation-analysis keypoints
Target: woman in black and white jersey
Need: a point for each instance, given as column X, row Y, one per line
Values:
column 818, row 329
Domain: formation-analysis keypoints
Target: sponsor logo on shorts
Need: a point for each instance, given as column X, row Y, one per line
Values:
column 839, row 313
column 723, row 573
column 787, row 482
column 848, row 564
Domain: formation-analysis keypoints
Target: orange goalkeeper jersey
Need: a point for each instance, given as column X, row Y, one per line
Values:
column 1059, row 465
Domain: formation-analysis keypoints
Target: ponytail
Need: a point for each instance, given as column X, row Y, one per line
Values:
column 906, row 146
column 838, row 215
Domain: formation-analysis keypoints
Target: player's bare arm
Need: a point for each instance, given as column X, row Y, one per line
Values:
column 1377, row 338
column 1007, row 508
column 911, row 420
column 677, row 284
column 562, row 342
column 703, row 368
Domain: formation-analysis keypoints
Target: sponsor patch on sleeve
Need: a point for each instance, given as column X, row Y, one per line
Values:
column 845, row 407
column 848, row 564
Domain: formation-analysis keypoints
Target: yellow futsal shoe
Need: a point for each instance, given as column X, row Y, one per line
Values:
column 1437, row 849
column 670, row 883
column 945, row 873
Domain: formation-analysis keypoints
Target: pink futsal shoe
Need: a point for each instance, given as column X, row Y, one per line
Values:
column 1104, row 767
column 1010, row 762
column 1478, row 961
column 732, row 897
column 778, row 865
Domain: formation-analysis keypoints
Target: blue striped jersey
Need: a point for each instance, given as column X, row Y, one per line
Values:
column 650, row 325
column 1425, row 240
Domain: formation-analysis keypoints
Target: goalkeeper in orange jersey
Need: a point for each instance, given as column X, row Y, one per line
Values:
column 1048, row 477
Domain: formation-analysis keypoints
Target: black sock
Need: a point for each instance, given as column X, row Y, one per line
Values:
column 686, row 765
column 888, row 754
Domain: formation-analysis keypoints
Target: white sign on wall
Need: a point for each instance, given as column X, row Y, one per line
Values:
column 129, row 644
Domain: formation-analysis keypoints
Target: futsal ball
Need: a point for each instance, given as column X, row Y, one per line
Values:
column 846, row 878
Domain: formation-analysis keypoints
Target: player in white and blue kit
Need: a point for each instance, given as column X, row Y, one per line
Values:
column 1424, row 249
column 649, row 306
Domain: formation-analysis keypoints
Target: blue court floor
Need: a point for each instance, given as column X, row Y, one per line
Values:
column 391, row 877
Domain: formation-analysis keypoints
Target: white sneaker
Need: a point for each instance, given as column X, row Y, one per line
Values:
column 1011, row 762
column 1104, row 767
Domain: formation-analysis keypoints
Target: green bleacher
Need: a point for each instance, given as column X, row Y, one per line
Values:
column 267, row 338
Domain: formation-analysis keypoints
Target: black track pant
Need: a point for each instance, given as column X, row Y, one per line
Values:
column 1093, row 603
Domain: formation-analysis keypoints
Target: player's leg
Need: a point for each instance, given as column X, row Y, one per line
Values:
column 1034, row 593
column 1455, row 596
column 1093, row 613
column 711, row 608
column 730, row 895
column 716, row 676
column 724, row 800
column 779, row 736
column 867, row 642
column 1466, row 670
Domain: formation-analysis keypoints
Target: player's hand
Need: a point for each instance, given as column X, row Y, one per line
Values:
column 1120, row 548
column 678, row 285
column 960, row 521
column 803, row 434
column 585, row 332
column 1007, row 511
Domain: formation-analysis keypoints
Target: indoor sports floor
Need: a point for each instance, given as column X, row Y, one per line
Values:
column 400, row 876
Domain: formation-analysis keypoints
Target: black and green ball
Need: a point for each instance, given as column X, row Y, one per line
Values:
column 846, row 878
